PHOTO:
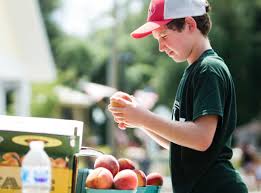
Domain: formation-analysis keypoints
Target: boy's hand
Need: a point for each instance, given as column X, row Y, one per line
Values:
column 128, row 112
column 119, row 95
column 115, row 103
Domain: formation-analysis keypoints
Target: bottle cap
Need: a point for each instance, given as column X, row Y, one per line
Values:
column 36, row 144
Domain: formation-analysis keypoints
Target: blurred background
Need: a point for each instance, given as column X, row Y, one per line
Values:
column 65, row 58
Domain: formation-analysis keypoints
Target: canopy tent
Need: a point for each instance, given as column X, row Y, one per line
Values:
column 24, row 49
column 25, row 55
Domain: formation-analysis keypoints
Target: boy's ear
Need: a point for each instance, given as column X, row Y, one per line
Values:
column 192, row 24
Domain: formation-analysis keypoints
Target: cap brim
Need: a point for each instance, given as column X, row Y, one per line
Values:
column 147, row 28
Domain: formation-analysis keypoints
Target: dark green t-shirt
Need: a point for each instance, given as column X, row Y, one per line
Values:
column 206, row 88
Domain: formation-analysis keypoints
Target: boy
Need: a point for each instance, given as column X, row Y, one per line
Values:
column 204, row 112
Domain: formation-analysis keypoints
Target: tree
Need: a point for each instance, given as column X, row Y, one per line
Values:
column 234, row 38
column 72, row 55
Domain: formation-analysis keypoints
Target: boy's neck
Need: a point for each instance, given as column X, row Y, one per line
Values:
column 199, row 47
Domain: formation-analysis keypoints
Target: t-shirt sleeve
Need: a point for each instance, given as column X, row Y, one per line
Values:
column 208, row 94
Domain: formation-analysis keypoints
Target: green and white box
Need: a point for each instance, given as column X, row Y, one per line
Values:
column 62, row 140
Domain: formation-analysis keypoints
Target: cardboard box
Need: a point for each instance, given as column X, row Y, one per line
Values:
column 62, row 140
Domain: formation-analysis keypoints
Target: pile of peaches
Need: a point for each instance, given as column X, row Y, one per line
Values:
column 121, row 174
column 14, row 159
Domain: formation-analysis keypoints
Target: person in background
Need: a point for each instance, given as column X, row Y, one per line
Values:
column 204, row 110
column 249, row 156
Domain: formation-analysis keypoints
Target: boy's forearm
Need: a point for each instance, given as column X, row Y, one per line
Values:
column 158, row 139
column 186, row 134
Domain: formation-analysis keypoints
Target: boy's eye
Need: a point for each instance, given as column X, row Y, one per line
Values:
column 164, row 36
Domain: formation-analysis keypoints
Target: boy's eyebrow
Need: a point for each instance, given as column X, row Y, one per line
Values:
column 159, row 34
column 163, row 33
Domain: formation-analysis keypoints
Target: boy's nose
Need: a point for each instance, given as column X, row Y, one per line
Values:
column 161, row 47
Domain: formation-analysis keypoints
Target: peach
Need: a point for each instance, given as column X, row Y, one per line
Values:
column 126, row 180
column 142, row 181
column 126, row 164
column 99, row 178
column 109, row 162
column 155, row 179
column 115, row 104
column 59, row 163
column 11, row 155
column 121, row 95
column 10, row 162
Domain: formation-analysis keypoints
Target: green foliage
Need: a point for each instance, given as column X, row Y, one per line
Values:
column 74, row 54
column 236, row 36
column 167, row 79
column 48, row 6
column 44, row 101
column 10, row 103
column 138, row 76
column 233, row 37
column 100, row 42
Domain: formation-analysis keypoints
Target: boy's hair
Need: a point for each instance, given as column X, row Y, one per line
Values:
column 204, row 23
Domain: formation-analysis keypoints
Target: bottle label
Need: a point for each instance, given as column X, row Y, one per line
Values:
column 36, row 176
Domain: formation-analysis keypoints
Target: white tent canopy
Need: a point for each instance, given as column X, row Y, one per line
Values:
column 23, row 39
column 25, row 55
column 11, row 69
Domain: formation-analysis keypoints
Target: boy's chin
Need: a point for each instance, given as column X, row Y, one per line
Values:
column 178, row 60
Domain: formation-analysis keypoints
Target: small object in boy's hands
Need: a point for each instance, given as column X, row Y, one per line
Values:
column 121, row 95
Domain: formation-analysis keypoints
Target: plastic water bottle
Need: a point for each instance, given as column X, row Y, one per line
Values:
column 36, row 170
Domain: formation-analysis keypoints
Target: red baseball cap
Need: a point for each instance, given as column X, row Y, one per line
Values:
column 161, row 12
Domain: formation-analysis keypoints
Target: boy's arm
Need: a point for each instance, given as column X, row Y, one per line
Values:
column 160, row 140
column 196, row 135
